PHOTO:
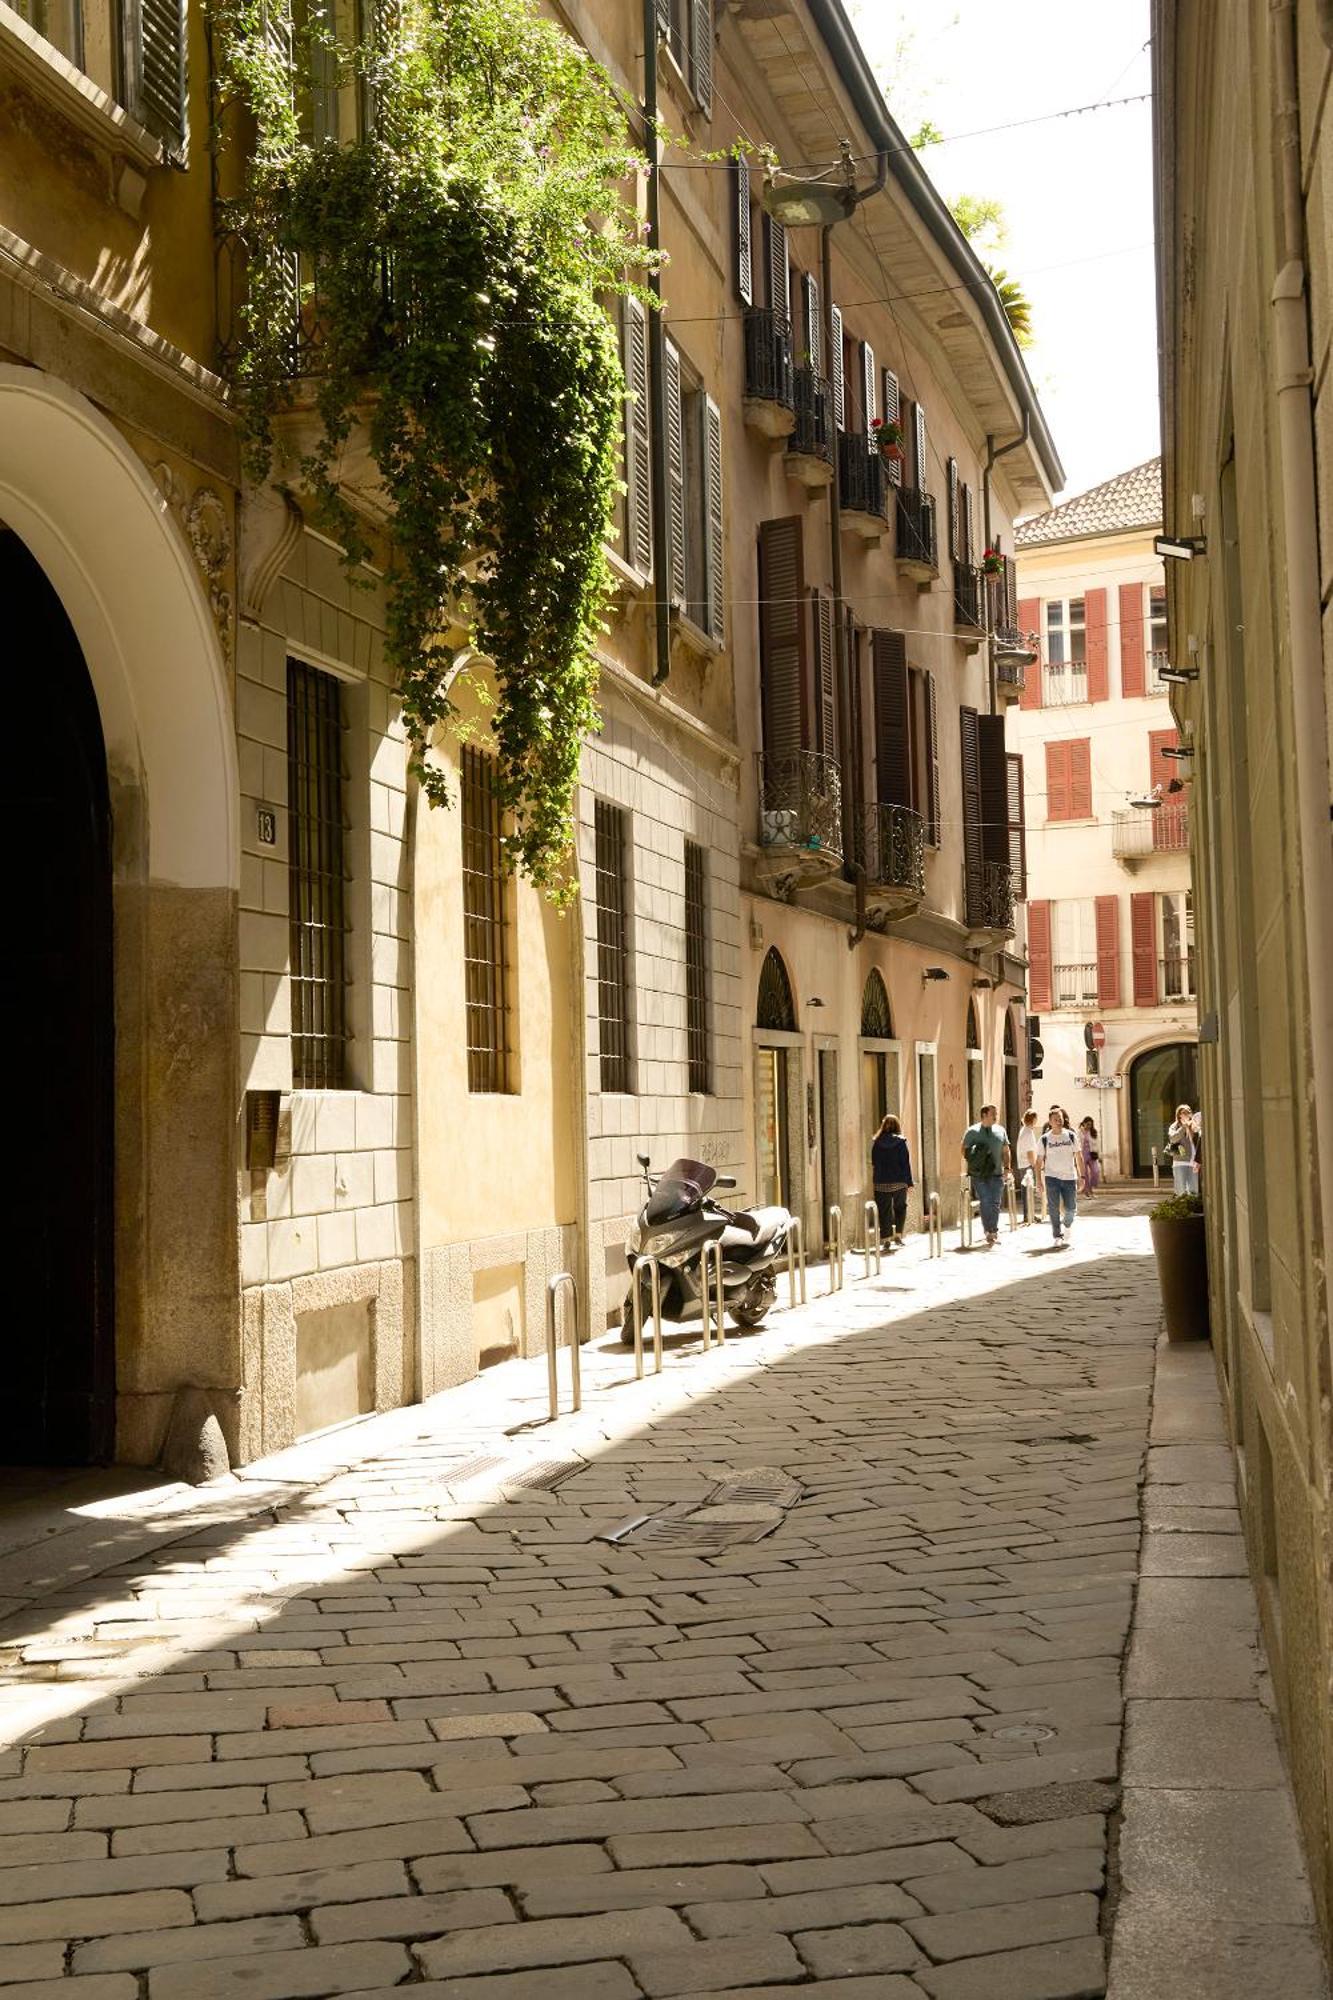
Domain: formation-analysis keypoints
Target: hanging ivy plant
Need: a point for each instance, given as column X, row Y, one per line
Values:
column 447, row 269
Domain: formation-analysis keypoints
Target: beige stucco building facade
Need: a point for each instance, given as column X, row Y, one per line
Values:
column 1244, row 164
column 1110, row 919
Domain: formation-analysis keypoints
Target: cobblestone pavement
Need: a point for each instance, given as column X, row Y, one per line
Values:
column 340, row 1726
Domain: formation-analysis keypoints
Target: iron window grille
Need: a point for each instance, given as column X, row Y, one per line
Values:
column 697, row 1039
column 486, row 973
column 612, row 948
column 317, row 878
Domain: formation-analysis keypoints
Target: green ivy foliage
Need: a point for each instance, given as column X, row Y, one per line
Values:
column 449, row 268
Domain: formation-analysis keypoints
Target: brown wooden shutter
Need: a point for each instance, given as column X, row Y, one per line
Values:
column 814, row 325
column 1057, row 781
column 1010, row 592
column 951, row 469
column 932, row 762
column 638, row 444
column 1018, row 832
column 779, row 271
column 1029, row 620
column 893, row 411
column 701, row 53
column 1039, row 957
column 1094, row 617
column 675, row 456
column 1108, row 951
column 783, row 645
column 1143, row 946
column 1133, row 652
column 969, row 740
column 825, row 665
column 744, row 233
column 893, row 758
column 155, row 42
column 1168, row 820
column 715, row 549
column 1080, row 779
column 994, row 788
column 836, row 372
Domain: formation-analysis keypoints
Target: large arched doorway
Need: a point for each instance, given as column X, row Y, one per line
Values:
column 881, row 1075
column 1159, row 1080
column 775, row 1026
column 55, row 821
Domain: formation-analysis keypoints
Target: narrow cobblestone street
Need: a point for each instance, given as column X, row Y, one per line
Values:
column 336, row 1726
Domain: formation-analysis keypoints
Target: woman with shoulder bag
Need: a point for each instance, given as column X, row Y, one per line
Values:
column 891, row 1164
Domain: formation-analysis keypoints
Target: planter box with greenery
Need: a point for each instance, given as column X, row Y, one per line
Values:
column 1181, row 1249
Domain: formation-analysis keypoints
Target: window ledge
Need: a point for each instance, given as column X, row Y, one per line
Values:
column 626, row 582
column 55, row 80
column 692, row 639
column 669, row 67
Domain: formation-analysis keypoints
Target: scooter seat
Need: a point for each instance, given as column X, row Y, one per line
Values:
column 743, row 1246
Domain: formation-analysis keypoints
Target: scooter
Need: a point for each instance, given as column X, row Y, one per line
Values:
column 676, row 1222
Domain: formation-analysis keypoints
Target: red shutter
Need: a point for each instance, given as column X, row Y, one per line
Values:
column 1143, row 942
column 1094, row 614
column 1108, row 951
column 1039, row 957
column 1080, row 778
column 1133, row 656
column 1029, row 620
column 1057, row 781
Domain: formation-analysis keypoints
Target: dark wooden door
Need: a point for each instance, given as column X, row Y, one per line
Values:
column 57, row 1405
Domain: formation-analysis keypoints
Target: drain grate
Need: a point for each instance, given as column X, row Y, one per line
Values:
column 742, row 1507
column 472, row 1468
column 763, row 1485
column 545, row 1473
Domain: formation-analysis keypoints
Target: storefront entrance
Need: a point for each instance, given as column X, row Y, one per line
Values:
column 1159, row 1080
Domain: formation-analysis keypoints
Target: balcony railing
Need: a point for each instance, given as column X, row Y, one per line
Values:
column 1010, row 674
column 813, row 435
column 800, row 804
column 768, row 359
column 1064, row 684
column 969, row 597
column 1074, row 985
column 1017, row 647
column 916, row 529
column 988, row 898
column 1157, row 659
column 891, row 847
column 1175, row 977
column 862, row 484
column 1145, row 831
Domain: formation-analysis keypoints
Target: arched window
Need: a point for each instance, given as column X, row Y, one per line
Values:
column 1012, row 1111
column 876, row 1017
column 976, row 1066
column 973, row 1032
column 777, row 1008
column 1010, row 1035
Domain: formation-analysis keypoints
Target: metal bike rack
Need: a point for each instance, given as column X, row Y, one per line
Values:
column 712, row 1260
column 654, row 1270
column 795, row 1254
column 873, row 1246
column 935, row 1225
column 552, row 1376
column 964, row 1213
column 835, row 1268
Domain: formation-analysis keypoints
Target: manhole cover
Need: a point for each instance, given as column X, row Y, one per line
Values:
column 1024, row 1732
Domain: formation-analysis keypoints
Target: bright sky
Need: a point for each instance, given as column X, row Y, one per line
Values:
column 1077, row 192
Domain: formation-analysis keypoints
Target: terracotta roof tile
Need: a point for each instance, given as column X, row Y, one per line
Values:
column 1131, row 500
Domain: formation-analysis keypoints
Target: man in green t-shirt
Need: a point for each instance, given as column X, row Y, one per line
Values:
column 986, row 1158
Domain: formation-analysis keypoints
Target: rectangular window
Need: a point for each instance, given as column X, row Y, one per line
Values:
column 1065, row 677
column 60, row 22
column 694, row 490
column 1157, row 644
column 688, row 28
column 317, row 875
column 698, row 1040
column 486, row 971
column 612, row 947
column 1074, row 952
column 1175, row 917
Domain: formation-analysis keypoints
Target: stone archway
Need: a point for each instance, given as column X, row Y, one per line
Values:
column 87, row 510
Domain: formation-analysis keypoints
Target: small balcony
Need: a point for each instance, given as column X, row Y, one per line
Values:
column 1140, row 833
column 810, row 445
column 1074, row 987
column 769, row 389
column 988, row 901
column 969, row 605
column 1157, row 659
column 1064, row 683
column 918, row 548
column 863, row 487
column 800, row 819
column 1012, row 647
column 891, row 847
column 1175, row 977
column 1010, row 674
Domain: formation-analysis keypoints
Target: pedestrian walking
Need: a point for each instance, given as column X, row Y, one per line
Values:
column 987, row 1159
column 1092, row 1166
column 1029, row 1157
column 1182, row 1149
column 891, row 1167
column 1063, row 1166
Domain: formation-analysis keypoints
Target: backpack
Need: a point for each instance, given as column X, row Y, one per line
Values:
column 980, row 1160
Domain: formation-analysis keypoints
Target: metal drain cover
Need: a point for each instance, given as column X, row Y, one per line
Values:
column 546, row 1473
column 472, row 1468
column 1024, row 1732
column 762, row 1485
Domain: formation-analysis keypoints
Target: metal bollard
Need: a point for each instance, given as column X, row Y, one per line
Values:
column 1012, row 1192
column 654, row 1270
column 1156, row 1169
column 835, row 1272
column 795, row 1251
column 873, row 1247
column 1029, row 1203
column 935, row 1224
column 713, row 1260
column 552, row 1377
column 964, row 1213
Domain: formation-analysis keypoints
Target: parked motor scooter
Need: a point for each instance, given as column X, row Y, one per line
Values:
column 676, row 1222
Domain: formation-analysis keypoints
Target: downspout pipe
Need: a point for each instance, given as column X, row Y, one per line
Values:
column 1300, row 511
column 656, row 361
column 993, row 454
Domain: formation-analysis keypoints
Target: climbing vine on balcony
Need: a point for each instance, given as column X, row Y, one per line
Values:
column 447, row 269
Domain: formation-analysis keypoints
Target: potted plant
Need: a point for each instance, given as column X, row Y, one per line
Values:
column 1181, row 1249
column 888, row 439
column 992, row 562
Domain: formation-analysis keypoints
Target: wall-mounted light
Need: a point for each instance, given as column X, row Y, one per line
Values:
column 933, row 972
column 1178, row 753
column 1177, row 674
column 1181, row 547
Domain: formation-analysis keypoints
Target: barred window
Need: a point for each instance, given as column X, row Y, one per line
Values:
column 697, row 1039
column 316, row 878
column 485, row 928
column 612, row 947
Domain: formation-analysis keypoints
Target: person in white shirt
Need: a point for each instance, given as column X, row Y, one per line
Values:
column 1063, row 1167
column 1029, row 1157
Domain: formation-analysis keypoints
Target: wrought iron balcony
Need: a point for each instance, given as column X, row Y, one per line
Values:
column 1074, row 986
column 891, row 847
column 800, row 812
column 863, row 486
column 1175, row 977
column 1141, row 832
column 969, row 598
column 988, row 898
column 1010, row 674
column 769, row 391
column 918, row 548
column 1011, row 645
column 810, row 446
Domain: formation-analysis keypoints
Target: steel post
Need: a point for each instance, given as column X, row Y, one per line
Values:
column 554, row 1285
column 654, row 1270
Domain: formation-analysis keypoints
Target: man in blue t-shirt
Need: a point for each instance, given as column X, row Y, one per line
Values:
column 986, row 1157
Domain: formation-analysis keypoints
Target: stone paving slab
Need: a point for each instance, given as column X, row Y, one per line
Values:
column 388, row 1713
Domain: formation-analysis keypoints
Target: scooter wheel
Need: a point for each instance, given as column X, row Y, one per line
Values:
column 749, row 1317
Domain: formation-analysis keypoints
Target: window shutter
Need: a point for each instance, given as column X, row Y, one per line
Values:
column 814, row 325
column 664, row 18
column 893, row 762
column 1010, row 594
column 919, row 447
column 1039, row 957
column 783, row 655
column 969, row 526
column 1018, row 831
column 1168, row 820
column 835, row 371
column 1029, row 620
column 1133, row 653
column 779, row 273
column 893, row 410
column 994, row 793
column 701, row 53
column 675, row 450
column 1080, row 779
column 825, row 656
column 1057, row 781
column 1143, row 947
column 951, row 472
column 932, row 762
column 969, row 738
column 638, row 446
column 156, row 54
column 714, row 539
column 1094, row 614
column 744, row 233
column 868, row 384
column 1108, row 951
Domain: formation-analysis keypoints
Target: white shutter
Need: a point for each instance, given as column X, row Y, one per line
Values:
column 156, row 54
column 835, row 371
column 814, row 325
column 970, row 522
column 744, row 235
column 701, row 53
column 893, row 411
column 638, row 447
column 714, row 536
column 868, row 384
column 951, row 469
column 919, row 446
column 779, row 274
column 675, row 449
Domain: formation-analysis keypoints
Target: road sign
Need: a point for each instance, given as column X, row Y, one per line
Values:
column 1094, row 1035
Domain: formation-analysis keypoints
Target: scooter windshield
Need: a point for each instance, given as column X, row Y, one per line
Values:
column 690, row 1174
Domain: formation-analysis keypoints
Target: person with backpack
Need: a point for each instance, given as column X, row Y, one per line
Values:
column 986, row 1158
